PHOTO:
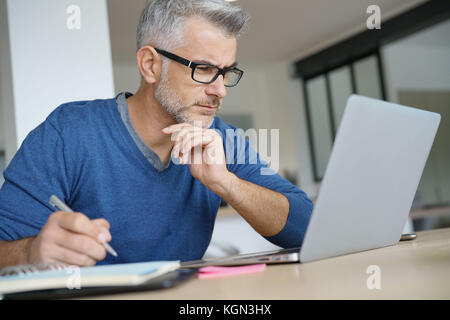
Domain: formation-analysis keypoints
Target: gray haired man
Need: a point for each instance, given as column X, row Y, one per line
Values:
column 126, row 164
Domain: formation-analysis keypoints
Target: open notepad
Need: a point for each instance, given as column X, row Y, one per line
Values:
column 127, row 274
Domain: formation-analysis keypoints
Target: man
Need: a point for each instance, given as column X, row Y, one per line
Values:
column 128, row 165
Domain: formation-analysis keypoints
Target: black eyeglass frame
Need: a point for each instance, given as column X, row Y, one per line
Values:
column 194, row 65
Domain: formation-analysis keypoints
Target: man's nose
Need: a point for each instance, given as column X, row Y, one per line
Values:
column 217, row 88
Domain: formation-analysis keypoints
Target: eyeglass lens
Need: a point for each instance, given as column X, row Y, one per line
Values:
column 206, row 74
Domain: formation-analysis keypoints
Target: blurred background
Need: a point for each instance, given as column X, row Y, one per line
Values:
column 302, row 59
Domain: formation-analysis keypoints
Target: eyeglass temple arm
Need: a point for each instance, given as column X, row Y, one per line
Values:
column 176, row 58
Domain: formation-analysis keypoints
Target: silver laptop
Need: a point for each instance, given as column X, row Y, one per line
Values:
column 369, row 184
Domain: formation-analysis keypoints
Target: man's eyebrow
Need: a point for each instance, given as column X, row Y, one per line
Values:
column 234, row 64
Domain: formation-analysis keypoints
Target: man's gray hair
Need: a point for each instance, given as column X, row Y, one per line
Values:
column 161, row 21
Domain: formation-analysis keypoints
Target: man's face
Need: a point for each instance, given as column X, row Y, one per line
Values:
column 183, row 98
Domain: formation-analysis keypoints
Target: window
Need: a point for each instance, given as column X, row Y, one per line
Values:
column 326, row 95
column 354, row 66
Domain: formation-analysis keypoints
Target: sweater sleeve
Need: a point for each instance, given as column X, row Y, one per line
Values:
column 36, row 172
column 245, row 162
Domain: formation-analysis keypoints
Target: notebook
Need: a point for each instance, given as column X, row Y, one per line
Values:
column 25, row 278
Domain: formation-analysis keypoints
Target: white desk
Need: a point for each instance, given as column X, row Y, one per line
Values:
column 418, row 269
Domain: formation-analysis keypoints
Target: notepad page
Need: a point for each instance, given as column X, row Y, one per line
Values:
column 108, row 275
column 139, row 268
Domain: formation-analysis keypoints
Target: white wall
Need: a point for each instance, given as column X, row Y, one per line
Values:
column 7, row 119
column 266, row 93
column 249, row 96
column 2, row 138
column 419, row 67
column 420, row 61
column 277, row 100
column 51, row 64
column 126, row 77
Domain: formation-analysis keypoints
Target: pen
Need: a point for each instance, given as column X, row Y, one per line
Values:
column 59, row 205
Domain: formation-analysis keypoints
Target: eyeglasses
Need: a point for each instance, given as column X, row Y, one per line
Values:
column 206, row 73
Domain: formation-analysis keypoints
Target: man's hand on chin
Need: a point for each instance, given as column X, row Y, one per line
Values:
column 202, row 149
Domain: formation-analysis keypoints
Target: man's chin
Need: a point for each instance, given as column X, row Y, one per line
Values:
column 203, row 121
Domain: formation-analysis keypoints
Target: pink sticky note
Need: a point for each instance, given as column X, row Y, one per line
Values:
column 217, row 272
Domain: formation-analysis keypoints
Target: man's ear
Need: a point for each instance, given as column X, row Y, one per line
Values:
column 149, row 64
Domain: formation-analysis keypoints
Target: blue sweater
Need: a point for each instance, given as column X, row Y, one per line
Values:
column 85, row 155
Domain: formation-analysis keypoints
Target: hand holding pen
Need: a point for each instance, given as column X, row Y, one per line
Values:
column 70, row 237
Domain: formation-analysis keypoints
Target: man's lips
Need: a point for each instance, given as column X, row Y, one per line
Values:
column 207, row 106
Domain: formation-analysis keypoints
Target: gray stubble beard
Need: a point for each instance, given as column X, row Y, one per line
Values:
column 173, row 104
